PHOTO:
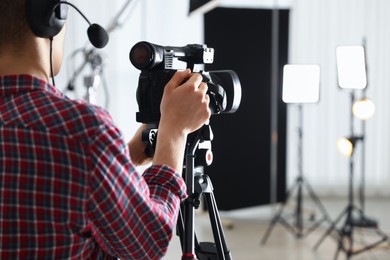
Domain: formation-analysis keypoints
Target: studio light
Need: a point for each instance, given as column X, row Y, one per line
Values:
column 346, row 145
column 351, row 67
column 301, row 83
column 363, row 109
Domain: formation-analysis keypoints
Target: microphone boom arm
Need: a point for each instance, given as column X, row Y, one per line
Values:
column 114, row 24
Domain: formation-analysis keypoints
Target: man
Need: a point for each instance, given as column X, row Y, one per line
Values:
column 68, row 188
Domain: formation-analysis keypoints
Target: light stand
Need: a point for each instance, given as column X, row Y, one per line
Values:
column 363, row 168
column 362, row 109
column 364, row 220
column 298, row 228
column 354, row 216
column 296, row 90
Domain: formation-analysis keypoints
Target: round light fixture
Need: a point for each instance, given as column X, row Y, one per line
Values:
column 363, row 109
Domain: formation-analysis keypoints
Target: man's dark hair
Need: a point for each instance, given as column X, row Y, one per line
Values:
column 13, row 22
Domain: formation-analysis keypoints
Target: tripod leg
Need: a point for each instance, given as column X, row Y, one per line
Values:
column 180, row 228
column 337, row 251
column 181, row 233
column 275, row 219
column 317, row 201
column 298, row 211
column 331, row 228
column 350, row 238
column 216, row 225
column 278, row 215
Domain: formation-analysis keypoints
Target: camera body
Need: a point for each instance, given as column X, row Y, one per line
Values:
column 158, row 65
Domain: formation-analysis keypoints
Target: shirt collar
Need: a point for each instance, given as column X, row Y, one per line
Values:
column 13, row 84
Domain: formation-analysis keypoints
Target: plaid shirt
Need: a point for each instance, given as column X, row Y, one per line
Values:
column 67, row 186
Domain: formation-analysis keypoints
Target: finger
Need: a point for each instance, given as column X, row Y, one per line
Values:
column 195, row 80
column 178, row 78
column 207, row 99
column 203, row 87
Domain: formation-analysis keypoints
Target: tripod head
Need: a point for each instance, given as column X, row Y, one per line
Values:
column 200, row 139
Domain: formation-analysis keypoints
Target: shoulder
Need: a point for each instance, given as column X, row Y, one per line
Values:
column 76, row 118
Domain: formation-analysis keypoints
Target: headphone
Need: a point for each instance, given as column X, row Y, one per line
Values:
column 46, row 19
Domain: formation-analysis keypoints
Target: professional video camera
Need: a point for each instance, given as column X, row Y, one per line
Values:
column 159, row 63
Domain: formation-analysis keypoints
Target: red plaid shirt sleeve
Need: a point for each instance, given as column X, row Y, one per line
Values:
column 132, row 216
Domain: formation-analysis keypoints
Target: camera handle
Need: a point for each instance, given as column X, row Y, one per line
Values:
column 197, row 184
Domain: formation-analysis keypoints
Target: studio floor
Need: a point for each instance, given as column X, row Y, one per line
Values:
column 245, row 230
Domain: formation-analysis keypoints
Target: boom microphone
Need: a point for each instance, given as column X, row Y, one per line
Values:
column 97, row 35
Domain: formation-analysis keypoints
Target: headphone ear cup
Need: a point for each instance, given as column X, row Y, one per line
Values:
column 46, row 18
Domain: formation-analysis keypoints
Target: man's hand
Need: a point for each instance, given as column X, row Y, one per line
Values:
column 184, row 109
column 137, row 148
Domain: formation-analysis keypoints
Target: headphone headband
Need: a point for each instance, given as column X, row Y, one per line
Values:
column 46, row 18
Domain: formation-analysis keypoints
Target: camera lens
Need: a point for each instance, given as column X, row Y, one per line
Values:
column 146, row 56
column 141, row 56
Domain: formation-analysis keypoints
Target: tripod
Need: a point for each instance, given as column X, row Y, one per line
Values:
column 298, row 227
column 199, row 184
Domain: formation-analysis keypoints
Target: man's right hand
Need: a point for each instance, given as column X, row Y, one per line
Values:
column 184, row 109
